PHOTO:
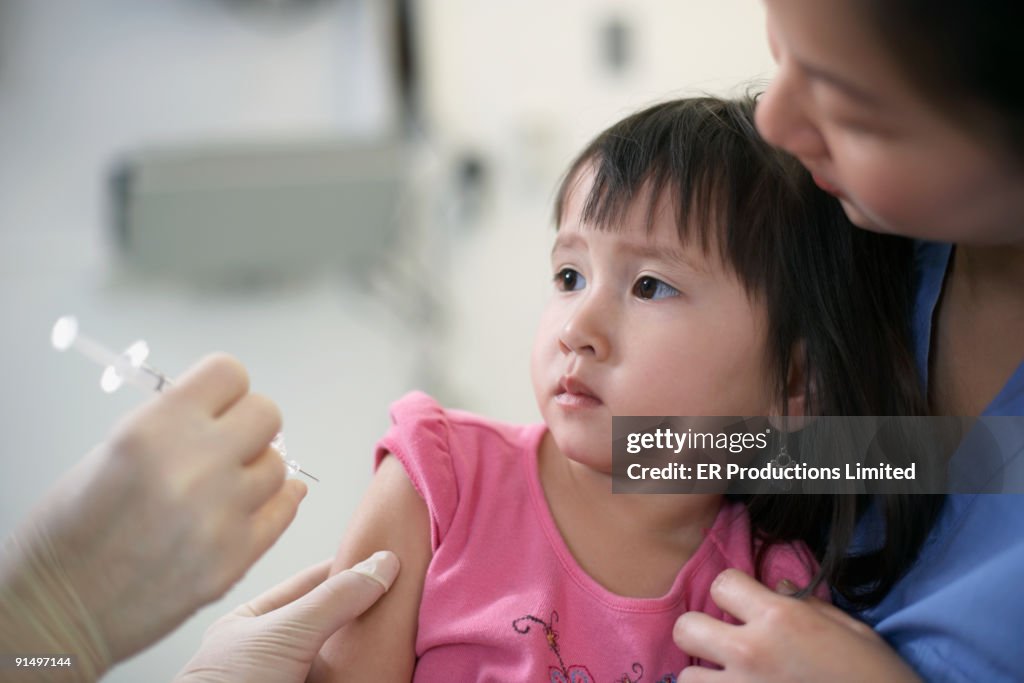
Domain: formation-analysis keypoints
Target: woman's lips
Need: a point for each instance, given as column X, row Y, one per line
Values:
column 572, row 393
column 827, row 186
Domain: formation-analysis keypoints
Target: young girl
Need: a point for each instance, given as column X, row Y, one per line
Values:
column 696, row 272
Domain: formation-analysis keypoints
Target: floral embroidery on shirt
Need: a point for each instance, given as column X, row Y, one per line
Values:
column 575, row 673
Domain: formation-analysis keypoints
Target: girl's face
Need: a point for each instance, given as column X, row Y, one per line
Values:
column 639, row 325
column 840, row 105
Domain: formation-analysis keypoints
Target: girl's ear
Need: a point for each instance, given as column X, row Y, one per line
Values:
column 797, row 399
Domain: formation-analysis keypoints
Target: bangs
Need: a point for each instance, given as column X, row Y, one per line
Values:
column 611, row 196
column 723, row 181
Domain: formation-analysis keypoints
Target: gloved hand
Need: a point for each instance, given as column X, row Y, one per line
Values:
column 156, row 522
column 274, row 638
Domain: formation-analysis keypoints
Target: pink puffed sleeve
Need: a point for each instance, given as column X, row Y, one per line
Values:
column 795, row 563
column 419, row 438
column 739, row 548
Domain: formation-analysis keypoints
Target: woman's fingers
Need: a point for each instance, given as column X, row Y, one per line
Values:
column 741, row 596
column 839, row 616
column 825, row 609
column 703, row 636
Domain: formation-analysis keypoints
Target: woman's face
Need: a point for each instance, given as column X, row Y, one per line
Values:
column 841, row 105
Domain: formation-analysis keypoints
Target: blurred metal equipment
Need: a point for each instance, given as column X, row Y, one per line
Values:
column 277, row 13
column 263, row 212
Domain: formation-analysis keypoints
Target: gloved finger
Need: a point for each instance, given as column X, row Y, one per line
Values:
column 270, row 521
column 252, row 422
column 214, row 383
column 290, row 589
column 261, row 479
column 346, row 595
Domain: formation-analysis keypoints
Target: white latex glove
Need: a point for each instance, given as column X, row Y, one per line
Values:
column 274, row 638
column 158, row 521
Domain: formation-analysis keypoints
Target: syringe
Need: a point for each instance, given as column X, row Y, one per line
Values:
column 130, row 366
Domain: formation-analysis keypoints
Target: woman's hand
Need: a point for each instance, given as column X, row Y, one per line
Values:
column 781, row 638
column 274, row 638
column 159, row 520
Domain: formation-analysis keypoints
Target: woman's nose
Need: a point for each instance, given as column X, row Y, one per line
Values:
column 783, row 119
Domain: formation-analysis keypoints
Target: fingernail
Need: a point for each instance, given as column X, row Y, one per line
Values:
column 786, row 586
column 381, row 567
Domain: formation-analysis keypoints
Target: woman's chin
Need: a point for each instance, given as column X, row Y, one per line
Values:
column 863, row 219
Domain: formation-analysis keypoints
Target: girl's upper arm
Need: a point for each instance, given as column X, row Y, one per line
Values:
column 381, row 643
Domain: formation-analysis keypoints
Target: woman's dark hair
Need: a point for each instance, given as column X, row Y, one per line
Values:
column 965, row 57
column 837, row 295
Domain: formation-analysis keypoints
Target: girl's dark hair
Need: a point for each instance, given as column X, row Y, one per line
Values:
column 965, row 57
column 837, row 295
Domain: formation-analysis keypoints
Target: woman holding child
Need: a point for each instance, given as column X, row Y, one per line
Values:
column 912, row 114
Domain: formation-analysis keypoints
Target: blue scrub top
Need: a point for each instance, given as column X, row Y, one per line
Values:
column 958, row 614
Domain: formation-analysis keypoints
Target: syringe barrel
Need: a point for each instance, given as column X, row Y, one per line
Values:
column 147, row 378
column 94, row 351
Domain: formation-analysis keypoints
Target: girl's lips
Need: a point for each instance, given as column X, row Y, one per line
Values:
column 570, row 400
column 572, row 393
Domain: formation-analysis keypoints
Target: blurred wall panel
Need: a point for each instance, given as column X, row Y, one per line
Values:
column 83, row 82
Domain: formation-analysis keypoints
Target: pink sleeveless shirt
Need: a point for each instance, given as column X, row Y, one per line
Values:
column 504, row 600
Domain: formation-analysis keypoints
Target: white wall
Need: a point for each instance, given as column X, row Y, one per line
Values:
column 82, row 82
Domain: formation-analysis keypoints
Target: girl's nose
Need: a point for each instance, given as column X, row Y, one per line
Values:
column 586, row 330
column 783, row 119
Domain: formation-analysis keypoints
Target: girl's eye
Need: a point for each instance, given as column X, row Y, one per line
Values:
column 568, row 280
column 652, row 288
